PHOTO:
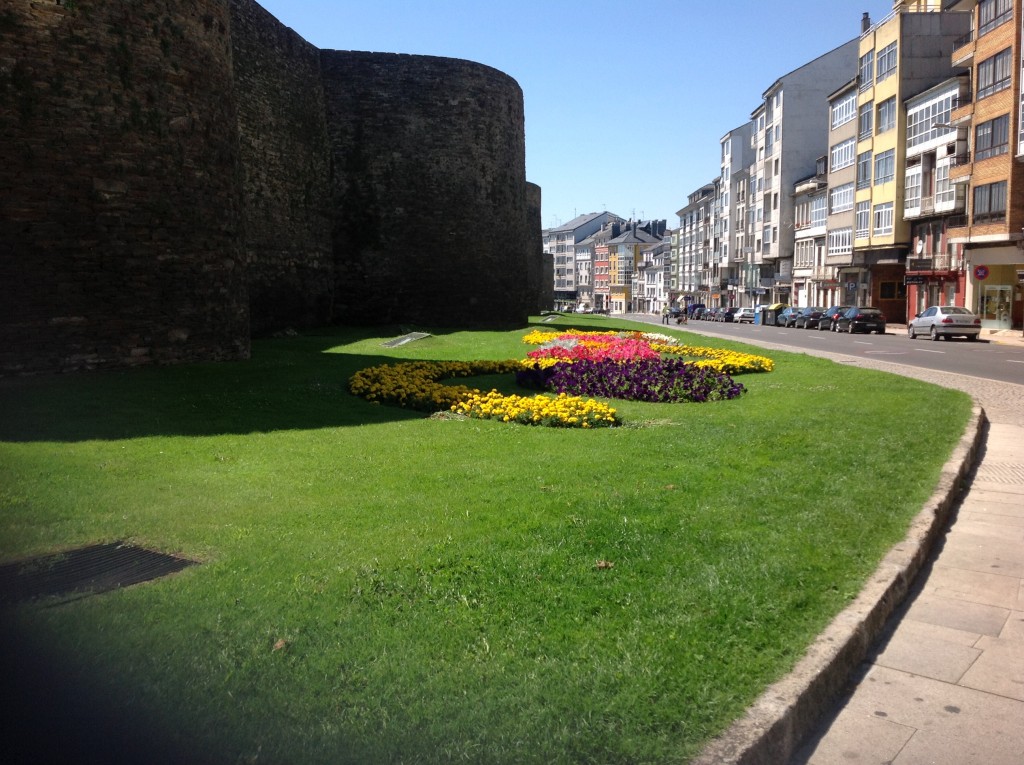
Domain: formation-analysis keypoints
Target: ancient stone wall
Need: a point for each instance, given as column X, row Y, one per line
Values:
column 429, row 190
column 285, row 172
column 177, row 175
column 119, row 196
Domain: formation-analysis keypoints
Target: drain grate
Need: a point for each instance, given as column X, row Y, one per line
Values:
column 86, row 570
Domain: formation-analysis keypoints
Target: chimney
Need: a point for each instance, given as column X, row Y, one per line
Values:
column 865, row 22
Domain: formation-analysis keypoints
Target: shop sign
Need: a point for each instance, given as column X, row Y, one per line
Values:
column 919, row 264
column 915, row 280
column 981, row 273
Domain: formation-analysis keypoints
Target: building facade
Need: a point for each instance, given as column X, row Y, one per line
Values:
column 991, row 171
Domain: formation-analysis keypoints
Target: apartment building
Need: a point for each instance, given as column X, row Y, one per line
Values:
column 624, row 253
column 991, row 172
column 829, row 205
column 899, row 57
column 653, row 277
column 789, row 134
column 695, row 275
column 935, row 267
column 560, row 244
column 813, row 281
column 736, row 250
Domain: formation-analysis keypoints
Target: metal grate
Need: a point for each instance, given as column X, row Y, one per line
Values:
column 86, row 570
column 1011, row 473
column 405, row 339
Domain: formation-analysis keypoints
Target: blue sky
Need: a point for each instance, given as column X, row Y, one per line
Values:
column 624, row 104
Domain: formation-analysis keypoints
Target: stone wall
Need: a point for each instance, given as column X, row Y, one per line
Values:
column 285, row 173
column 177, row 175
column 119, row 196
column 429, row 190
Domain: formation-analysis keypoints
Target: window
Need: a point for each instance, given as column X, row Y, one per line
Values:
column 990, row 202
column 863, row 220
column 887, row 114
column 867, row 70
column 886, row 61
column 921, row 121
column 992, row 13
column 866, row 121
column 804, row 254
column 844, row 110
column 912, row 187
column 840, row 241
column 883, row 219
column 841, row 198
column 992, row 138
column 944, row 191
column 818, row 212
column 885, row 166
column 892, row 291
column 994, row 74
column 843, row 154
column 864, row 170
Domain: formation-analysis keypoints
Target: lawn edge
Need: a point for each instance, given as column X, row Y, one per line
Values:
column 781, row 719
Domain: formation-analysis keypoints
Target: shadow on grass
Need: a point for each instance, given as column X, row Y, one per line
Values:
column 294, row 383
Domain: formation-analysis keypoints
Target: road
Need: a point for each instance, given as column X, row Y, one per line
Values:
column 983, row 359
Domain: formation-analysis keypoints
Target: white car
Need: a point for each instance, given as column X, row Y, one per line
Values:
column 744, row 314
column 945, row 321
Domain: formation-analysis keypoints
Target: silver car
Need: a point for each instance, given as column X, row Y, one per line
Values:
column 945, row 321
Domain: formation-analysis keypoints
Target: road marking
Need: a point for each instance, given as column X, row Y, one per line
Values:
column 1015, row 361
column 927, row 350
column 887, row 353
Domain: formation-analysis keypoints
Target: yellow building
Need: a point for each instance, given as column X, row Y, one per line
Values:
column 899, row 57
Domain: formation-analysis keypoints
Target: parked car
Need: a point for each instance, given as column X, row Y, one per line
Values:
column 725, row 314
column 694, row 309
column 861, row 319
column 828, row 319
column 945, row 321
column 808, row 317
column 674, row 312
column 708, row 314
column 787, row 318
column 743, row 315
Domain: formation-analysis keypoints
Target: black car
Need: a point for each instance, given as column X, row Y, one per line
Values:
column 788, row 317
column 828, row 319
column 861, row 319
column 808, row 317
column 724, row 314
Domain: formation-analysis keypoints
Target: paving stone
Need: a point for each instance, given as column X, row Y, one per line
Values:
column 927, row 656
column 974, row 586
column 959, row 614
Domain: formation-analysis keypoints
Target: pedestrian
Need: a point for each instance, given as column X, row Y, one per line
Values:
column 664, row 315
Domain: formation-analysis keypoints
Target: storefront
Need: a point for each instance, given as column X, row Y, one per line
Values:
column 995, row 289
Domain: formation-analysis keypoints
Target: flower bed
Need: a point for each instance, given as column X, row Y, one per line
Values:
column 628, row 365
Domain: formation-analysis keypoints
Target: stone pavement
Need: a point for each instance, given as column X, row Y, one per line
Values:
column 927, row 666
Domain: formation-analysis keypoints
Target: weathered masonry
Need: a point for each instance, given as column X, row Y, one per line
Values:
column 177, row 176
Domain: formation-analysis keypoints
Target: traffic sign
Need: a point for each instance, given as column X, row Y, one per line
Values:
column 981, row 273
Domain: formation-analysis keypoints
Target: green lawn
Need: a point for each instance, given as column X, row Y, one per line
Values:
column 382, row 586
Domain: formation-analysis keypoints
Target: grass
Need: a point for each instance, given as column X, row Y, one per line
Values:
column 381, row 586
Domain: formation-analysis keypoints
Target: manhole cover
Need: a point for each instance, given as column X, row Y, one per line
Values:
column 93, row 569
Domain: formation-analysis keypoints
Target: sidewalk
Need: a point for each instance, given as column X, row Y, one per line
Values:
column 927, row 666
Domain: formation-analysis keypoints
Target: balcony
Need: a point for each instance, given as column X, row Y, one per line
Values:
column 963, row 49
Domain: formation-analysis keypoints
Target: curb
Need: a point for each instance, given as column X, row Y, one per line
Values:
column 775, row 726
